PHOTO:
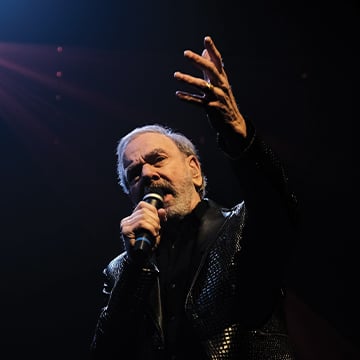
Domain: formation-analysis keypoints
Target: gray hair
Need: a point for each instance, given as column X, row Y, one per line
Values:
column 180, row 140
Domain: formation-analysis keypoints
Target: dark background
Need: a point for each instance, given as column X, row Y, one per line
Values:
column 292, row 67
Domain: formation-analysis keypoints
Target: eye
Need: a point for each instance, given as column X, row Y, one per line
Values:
column 159, row 159
column 134, row 179
column 133, row 175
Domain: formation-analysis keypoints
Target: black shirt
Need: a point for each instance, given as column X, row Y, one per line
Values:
column 178, row 258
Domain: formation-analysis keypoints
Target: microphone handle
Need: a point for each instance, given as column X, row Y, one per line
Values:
column 144, row 240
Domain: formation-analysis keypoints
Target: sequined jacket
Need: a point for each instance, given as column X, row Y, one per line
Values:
column 234, row 317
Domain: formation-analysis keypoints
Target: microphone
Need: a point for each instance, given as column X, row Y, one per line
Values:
column 144, row 241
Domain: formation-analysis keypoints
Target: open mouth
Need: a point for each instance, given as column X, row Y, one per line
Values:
column 162, row 190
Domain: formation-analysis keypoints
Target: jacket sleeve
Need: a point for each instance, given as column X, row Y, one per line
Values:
column 271, row 204
column 260, row 171
column 125, row 288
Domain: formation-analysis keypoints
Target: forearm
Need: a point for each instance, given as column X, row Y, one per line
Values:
column 259, row 170
column 272, row 207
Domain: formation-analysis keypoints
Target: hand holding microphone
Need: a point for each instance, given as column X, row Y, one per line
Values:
column 144, row 240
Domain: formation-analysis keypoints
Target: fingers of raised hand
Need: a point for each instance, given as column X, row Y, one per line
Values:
column 213, row 53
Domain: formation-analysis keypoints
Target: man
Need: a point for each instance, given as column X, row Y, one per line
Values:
column 209, row 282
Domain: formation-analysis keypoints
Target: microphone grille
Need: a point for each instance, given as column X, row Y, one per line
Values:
column 154, row 196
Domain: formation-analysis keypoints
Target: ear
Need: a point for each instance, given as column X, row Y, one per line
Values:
column 195, row 169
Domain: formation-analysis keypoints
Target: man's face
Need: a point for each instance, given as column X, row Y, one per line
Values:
column 154, row 159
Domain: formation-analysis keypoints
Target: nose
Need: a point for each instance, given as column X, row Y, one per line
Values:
column 149, row 172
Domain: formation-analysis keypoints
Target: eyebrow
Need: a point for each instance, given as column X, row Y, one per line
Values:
column 128, row 165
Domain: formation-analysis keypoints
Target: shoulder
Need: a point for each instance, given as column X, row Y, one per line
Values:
column 214, row 207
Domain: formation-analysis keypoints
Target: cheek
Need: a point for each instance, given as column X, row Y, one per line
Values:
column 181, row 171
column 177, row 174
column 186, row 177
